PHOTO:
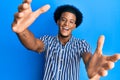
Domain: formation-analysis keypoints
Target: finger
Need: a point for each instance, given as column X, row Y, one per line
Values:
column 103, row 72
column 113, row 58
column 42, row 10
column 23, row 6
column 100, row 43
column 108, row 65
column 17, row 18
column 19, row 15
column 14, row 24
column 27, row 1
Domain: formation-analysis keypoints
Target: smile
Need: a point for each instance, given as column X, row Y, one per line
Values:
column 65, row 28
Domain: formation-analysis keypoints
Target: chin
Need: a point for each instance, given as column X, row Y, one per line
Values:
column 64, row 36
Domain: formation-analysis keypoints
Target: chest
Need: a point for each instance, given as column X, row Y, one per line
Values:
column 56, row 52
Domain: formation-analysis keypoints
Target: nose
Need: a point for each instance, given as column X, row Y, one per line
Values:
column 66, row 23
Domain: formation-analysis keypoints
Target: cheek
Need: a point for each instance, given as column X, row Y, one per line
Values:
column 59, row 24
column 73, row 27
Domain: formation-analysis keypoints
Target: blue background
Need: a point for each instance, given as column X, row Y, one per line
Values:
column 100, row 17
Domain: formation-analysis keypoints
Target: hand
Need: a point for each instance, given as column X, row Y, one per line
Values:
column 25, row 17
column 99, row 64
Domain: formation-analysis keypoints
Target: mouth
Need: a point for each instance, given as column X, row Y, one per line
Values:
column 65, row 28
column 64, row 31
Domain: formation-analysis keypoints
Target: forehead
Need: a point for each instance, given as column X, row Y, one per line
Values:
column 68, row 15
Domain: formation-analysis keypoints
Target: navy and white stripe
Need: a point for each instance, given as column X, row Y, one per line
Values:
column 63, row 62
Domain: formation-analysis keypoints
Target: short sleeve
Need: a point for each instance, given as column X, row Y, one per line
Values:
column 85, row 47
column 44, row 39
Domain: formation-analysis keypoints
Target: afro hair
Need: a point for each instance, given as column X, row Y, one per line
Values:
column 68, row 8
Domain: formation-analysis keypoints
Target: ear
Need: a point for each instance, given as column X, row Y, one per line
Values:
column 58, row 21
column 75, row 25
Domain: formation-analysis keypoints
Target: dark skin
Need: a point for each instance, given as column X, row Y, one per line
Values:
column 97, row 64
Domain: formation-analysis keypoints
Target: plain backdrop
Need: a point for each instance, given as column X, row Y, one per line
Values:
column 100, row 17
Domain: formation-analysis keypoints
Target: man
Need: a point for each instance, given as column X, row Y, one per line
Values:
column 63, row 52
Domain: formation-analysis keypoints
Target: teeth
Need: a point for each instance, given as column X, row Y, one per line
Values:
column 66, row 28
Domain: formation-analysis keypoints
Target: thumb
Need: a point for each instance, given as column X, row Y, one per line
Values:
column 42, row 10
column 100, row 43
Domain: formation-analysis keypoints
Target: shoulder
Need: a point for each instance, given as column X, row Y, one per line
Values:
column 47, row 37
column 79, row 40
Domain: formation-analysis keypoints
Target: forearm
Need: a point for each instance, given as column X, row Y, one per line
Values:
column 86, row 59
column 27, row 39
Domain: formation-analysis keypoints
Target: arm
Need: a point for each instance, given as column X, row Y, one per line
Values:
column 98, row 64
column 30, row 42
column 22, row 20
column 86, row 58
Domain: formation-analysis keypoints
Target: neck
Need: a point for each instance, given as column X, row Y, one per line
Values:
column 64, row 39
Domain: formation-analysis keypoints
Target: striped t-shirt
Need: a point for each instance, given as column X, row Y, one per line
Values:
column 63, row 62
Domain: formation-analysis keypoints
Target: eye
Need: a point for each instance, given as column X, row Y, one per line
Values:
column 72, row 22
column 63, row 19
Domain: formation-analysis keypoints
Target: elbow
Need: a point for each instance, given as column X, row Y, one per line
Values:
column 35, row 49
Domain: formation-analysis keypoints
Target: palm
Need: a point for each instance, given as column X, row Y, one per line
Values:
column 99, row 64
column 25, row 17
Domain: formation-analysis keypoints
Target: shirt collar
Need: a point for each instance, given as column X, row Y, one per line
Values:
column 70, row 40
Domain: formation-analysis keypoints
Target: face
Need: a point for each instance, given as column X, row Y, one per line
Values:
column 66, row 24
